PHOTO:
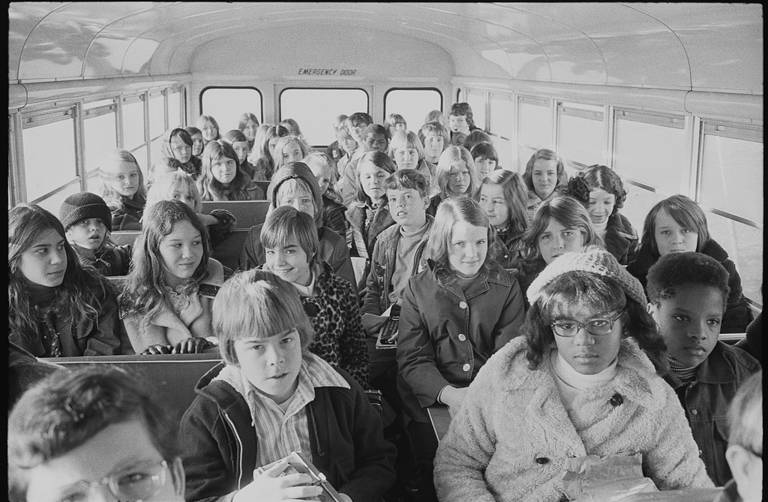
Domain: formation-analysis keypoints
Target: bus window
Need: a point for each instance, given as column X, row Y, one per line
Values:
column 156, row 115
column 315, row 110
column 476, row 100
column 580, row 134
column 226, row 104
column 412, row 104
column 49, row 154
column 651, row 155
column 503, row 127
column 534, row 127
column 133, row 123
column 100, row 138
column 174, row 110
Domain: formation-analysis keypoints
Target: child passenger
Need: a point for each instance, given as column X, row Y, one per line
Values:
column 324, row 169
column 678, row 224
column 197, row 141
column 408, row 153
column 290, row 149
column 222, row 178
column 486, row 159
column 161, row 305
column 454, row 316
column 264, row 151
column 367, row 139
column 123, row 189
column 248, row 124
column 582, row 382
column 178, row 145
column 687, row 295
column 502, row 196
column 290, row 242
column 295, row 185
column 396, row 122
column 56, row 307
column 434, row 136
column 93, row 428
column 209, row 127
column 460, row 122
column 601, row 191
column 335, row 150
column 456, row 176
column 271, row 396
column 544, row 173
column 239, row 143
column 87, row 223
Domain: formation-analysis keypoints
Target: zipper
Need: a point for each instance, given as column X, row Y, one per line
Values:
column 239, row 450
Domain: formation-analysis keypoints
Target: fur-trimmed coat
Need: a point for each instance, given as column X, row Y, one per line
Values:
column 513, row 438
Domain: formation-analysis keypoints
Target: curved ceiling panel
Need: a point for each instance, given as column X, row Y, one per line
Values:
column 715, row 47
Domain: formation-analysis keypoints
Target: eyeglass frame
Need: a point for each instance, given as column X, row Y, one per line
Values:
column 111, row 482
column 583, row 325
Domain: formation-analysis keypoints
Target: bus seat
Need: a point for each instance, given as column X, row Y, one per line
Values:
column 228, row 251
column 173, row 375
column 263, row 185
column 731, row 338
column 247, row 212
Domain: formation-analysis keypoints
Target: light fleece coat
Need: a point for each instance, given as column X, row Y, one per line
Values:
column 512, row 437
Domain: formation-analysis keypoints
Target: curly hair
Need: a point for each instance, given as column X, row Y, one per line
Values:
column 545, row 154
column 605, row 178
column 677, row 269
column 599, row 294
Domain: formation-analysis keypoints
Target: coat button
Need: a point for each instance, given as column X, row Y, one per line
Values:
column 466, row 367
column 694, row 412
column 542, row 460
column 462, row 304
column 462, row 337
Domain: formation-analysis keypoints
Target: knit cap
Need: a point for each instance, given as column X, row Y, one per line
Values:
column 79, row 206
column 592, row 259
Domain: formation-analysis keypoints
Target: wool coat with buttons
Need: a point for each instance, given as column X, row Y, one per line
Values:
column 446, row 334
column 512, row 439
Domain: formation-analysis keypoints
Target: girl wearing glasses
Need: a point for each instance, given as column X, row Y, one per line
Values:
column 581, row 384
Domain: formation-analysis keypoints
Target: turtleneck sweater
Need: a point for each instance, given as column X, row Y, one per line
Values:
column 570, row 383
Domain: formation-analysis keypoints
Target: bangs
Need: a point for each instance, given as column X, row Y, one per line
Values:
column 683, row 218
column 585, row 289
column 273, row 236
column 294, row 186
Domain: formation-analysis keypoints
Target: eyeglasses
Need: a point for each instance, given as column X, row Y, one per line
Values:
column 138, row 483
column 598, row 326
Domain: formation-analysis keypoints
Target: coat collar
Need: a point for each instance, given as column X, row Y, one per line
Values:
column 716, row 369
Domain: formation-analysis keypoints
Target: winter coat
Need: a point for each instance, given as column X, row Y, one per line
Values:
column 506, row 249
column 620, row 238
column 446, row 334
column 737, row 314
column 706, row 399
column 220, row 444
column 368, row 224
column 512, row 439
column 383, row 260
column 109, row 259
column 166, row 326
column 333, row 213
column 127, row 214
column 335, row 315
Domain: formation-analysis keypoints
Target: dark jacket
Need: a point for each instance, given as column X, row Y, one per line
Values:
column 109, row 259
column 369, row 225
column 379, row 278
column 103, row 336
column 446, row 334
column 127, row 215
column 706, row 399
column 752, row 342
column 506, row 249
column 529, row 270
column 620, row 238
column 737, row 314
column 433, row 203
column 220, row 443
column 333, row 215
column 333, row 250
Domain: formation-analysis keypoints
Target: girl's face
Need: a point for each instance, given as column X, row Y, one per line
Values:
column 601, row 204
column 348, row 143
column 272, row 145
column 671, row 237
column 125, row 179
column 292, row 194
column 376, row 142
column 322, row 174
column 407, row 207
column 271, row 364
column 406, row 157
column 467, row 248
column 434, row 144
column 484, row 166
column 241, row 150
column 493, row 203
column 88, row 233
column 401, row 126
column 690, row 322
column 585, row 352
column 556, row 239
column 181, row 151
column 210, row 132
column 289, row 262
column 250, row 130
column 372, row 179
column 544, row 177
column 224, row 170
column 458, row 178
column 45, row 262
column 458, row 123
column 292, row 153
column 181, row 251
column 184, row 196
column 197, row 144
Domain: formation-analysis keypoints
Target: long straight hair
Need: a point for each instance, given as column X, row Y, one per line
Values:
column 108, row 165
column 449, row 212
column 211, row 188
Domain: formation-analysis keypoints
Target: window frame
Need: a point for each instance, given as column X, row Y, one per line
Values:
column 206, row 88
column 386, row 93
